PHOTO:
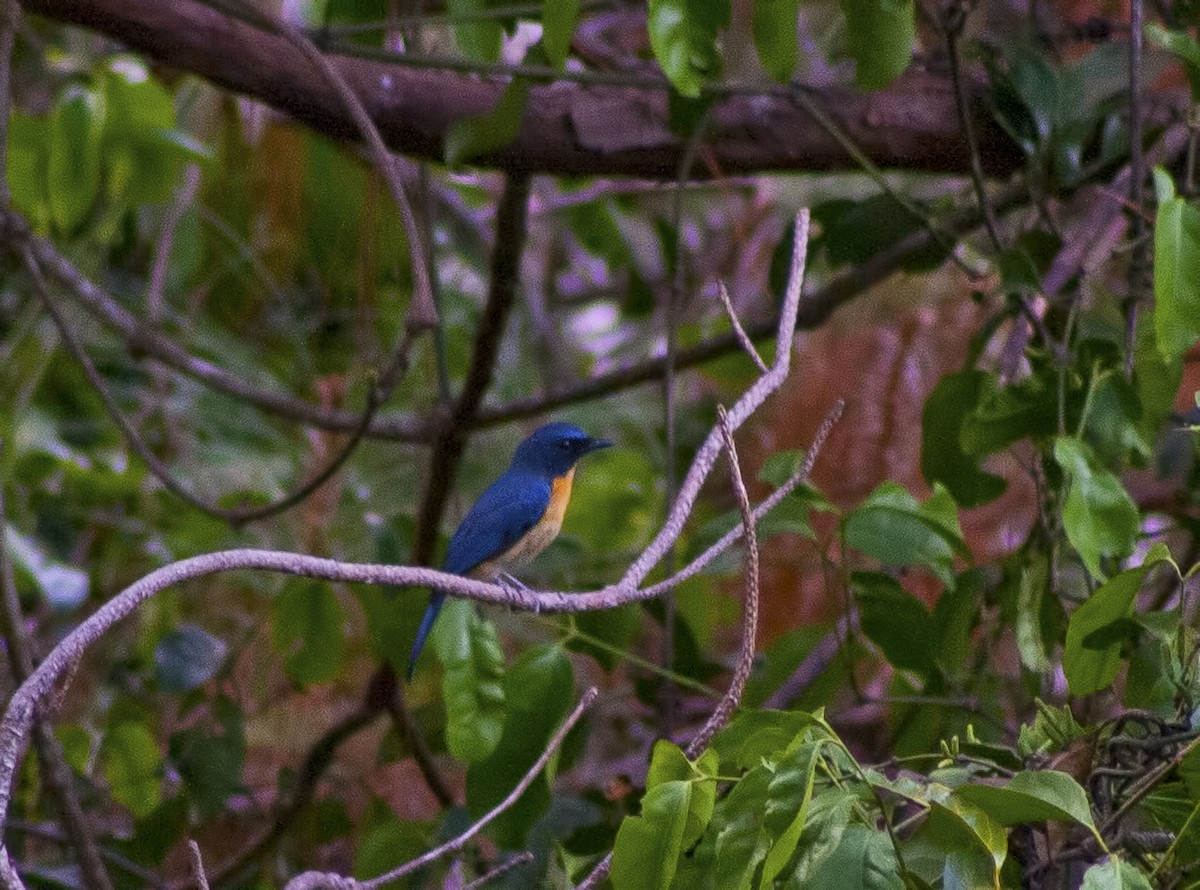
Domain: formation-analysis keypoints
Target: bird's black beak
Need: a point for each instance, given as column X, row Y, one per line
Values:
column 596, row 445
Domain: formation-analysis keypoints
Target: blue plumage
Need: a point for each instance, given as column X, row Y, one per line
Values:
column 517, row 516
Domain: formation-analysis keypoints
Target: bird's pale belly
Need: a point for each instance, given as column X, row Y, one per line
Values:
column 537, row 538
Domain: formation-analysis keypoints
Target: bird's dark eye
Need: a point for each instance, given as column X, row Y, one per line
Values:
column 564, row 444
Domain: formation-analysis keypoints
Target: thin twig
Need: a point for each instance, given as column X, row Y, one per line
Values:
column 1138, row 260
column 501, row 869
column 706, row 456
column 454, row 845
column 738, row 331
column 166, row 240
column 197, row 865
column 953, row 22
column 745, row 663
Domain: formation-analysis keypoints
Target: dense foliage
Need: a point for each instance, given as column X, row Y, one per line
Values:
column 978, row 659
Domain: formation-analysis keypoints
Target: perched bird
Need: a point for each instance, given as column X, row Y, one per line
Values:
column 516, row 517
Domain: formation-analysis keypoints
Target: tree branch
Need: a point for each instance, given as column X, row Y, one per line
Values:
column 613, row 125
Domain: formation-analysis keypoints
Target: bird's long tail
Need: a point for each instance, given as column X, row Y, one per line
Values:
column 431, row 613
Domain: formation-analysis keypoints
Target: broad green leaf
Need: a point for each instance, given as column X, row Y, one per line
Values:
column 974, row 846
column 647, row 849
column 1007, row 415
column 788, row 795
column 133, row 767
column 668, row 763
column 1031, row 591
column 473, row 682
column 1090, row 660
column 893, row 527
column 474, row 136
column 558, row 27
column 683, row 35
column 1033, row 796
column 1099, row 516
column 896, row 621
column 863, row 860
column 828, row 817
column 1114, row 874
column 879, row 37
column 538, row 691
column 76, row 128
column 776, row 37
column 1176, row 277
column 28, row 151
column 187, row 657
column 478, row 38
column 758, row 735
column 306, row 628
column 942, row 456
column 1156, row 380
column 742, row 842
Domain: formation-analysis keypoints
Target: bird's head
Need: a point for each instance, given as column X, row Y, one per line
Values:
column 554, row 448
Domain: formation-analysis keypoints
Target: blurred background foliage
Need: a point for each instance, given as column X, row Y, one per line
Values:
column 980, row 522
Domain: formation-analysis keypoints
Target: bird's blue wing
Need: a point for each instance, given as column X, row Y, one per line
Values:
column 510, row 507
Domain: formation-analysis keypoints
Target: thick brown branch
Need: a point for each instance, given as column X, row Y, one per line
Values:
column 596, row 128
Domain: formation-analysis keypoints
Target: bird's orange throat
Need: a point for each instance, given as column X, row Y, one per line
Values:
column 560, row 496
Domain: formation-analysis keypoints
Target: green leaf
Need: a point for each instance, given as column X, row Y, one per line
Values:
column 1032, row 588
column 647, row 850
column 864, row 860
column 683, row 35
column 828, row 817
column 1099, row 516
column 776, row 37
column 187, row 657
column 943, row 458
column 538, row 690
column 76, row 127
column 1033, row 796
column 879, row 37
column 474, row 136
column 896, row 621
column 1176, row 277
column 306, row 628
column 133, row 767
column 28, row 149
column 478, row 38
column 758, row 735
column 974, row 846
column 893, row 527
column 1114, row 874
column 473, row 682
column 558, row 27
column 1089, row 661
column 668, row 763
column 742, row 842
column 788, row 796
column 1052, row 730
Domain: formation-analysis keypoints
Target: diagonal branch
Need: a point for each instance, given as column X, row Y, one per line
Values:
column 310, row 880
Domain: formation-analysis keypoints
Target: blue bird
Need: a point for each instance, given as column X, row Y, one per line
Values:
column 517, row 517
